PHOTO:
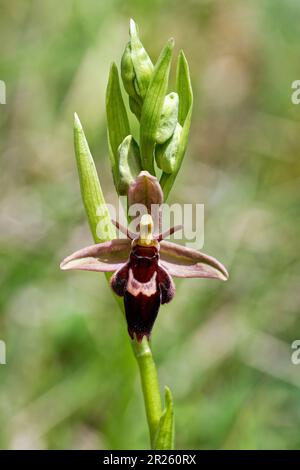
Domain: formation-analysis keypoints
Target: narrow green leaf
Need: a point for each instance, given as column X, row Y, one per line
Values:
column 184, row 90
column 153, row 105
column 117, row 120
column 164, row 438
column 91, row 192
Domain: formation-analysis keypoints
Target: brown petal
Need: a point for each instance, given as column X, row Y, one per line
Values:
column 103, row 257
column 185, row 262
column 166, row 285
column 145, row 190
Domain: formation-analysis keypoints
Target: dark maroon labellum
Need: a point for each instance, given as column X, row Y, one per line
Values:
column 145, row 285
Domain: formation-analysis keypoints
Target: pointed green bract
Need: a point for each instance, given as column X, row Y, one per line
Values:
column 185, row 93
column 117, row 119
column 91, row 191
column 153, row 105
column 164, row 438
column 184, row 88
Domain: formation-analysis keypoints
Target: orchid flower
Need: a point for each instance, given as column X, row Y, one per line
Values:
column 144, row 265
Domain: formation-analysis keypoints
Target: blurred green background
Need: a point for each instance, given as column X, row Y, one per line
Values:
column 224, row 348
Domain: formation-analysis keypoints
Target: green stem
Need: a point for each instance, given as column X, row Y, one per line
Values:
column 150, row 387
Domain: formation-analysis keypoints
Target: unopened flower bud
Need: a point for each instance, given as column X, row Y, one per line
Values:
column 166, row 154
column 136, row 70
column 142, row 64
column 168, row 118
column 128, row 75
column 145, row 189
column 129, row 163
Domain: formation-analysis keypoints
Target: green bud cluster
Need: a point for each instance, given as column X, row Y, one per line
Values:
column 164, row 118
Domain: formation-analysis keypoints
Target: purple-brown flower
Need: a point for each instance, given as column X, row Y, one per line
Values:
column 143, row 269
column 144, row 264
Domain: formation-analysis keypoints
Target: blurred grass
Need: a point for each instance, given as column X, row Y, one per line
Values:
column 224, row 349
